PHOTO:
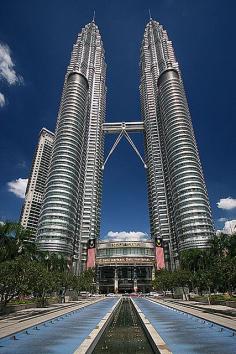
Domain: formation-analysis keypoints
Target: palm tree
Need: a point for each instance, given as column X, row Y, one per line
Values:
column 232, row 246
column 54, row 261
column 219, row 245
column 23, row 241
column 15, row 241
column 8, row 247
column 193, row 259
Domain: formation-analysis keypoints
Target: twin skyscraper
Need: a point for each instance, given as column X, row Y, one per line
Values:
column 178, row 203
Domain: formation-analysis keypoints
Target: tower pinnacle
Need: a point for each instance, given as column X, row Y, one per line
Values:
column 94, row 13
column 150, row 15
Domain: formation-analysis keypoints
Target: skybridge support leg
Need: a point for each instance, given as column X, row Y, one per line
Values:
column 130, row 141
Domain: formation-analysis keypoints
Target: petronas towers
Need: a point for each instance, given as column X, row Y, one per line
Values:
column 178, row 203
column 70, row 213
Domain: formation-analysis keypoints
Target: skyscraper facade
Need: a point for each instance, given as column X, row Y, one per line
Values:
column 36, row 184
column 180, row 215
column 178, row 201
column 70, row 215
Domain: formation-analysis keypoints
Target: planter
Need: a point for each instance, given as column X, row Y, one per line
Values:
column 200, row 300
column 217, row 302
column 231, row 304
column 10, row 308
column 13, row 308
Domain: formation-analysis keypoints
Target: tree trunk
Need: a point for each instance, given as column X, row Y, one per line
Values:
column 184, row 293
column 209, row 296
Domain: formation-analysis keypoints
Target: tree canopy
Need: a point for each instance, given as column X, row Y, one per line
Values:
column 25, row 270
column 210, row 269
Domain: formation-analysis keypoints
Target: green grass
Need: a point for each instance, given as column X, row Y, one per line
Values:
column 215, row 298
column 22, row 302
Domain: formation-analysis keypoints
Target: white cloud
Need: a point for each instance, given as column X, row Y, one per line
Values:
column 127, row 236
column 222, row 219
column 18, row 187
column 229, row 227
column 2, row 100
column 7, row 71
column 22, row 164
column 227, row 203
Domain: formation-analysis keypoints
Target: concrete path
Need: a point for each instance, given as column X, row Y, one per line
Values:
column 23, row 319
column 63, row 335
column 186, row 334
column 221, row 309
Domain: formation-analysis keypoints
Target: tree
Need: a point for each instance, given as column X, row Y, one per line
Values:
column 26, row 270
column 6, row 228
column 194, row 259
column 228, row 271
column 204, row 281
column 15, row 279
column 56, row 262
column 223, row 268
column 232, row 246
column 183, row 279
column 164, row 280
column 66, row 281
column 8, row 247
column 219, row 245
column 22, row 237
column 15, row 241
column 86, row 280
column 44, row 282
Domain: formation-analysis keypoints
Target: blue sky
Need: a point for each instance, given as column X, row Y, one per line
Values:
column 40, row 35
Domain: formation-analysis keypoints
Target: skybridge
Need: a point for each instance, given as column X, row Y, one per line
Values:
column 123, row 129
column 116, row 128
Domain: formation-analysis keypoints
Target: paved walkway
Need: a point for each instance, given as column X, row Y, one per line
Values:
column 204, row 311
column 27, row 317
column 62, row 335
column 222, row 309
column 23, row 319
column 184, row 333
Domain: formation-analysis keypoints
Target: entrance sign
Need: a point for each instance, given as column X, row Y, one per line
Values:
column 160, row 261
column 91, row 253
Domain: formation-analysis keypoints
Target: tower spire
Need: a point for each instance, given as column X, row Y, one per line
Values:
column 150, row 15
column 93, row 16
